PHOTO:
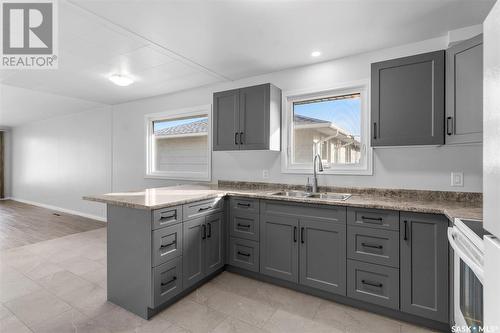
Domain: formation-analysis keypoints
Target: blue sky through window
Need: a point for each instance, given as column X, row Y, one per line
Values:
column 159, row 125
column 345, row 113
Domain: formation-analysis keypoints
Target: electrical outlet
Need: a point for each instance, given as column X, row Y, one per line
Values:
column 457, row 179
column 265, row 173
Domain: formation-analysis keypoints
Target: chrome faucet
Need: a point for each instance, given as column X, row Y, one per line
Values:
column 314, row 186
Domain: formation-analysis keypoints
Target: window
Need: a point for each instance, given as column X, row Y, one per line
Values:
column 178, row 144
column 333, row 124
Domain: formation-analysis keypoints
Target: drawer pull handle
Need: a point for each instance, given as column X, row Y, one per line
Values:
column 209, row 230
column 169, row 282
column 243, row 204
column 204, row 208
column 295, row 234
column 244, row 254
column 167, row 245
column 374, row 246
column 368, row 219
column 236, row 138
column 204, row 233
column 168, row 217
column 373, row 284
column 244, row 225
column 302, row 239
column 406, row 230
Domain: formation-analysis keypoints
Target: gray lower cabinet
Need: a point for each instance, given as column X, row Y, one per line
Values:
column 167, row 244
column 424, row 265
column 279, row 252
column 244, row 253
column 167, row 281
column 322, row 255
column 213, row 243
column 167, row 216
column 244, row 225
column 464, row 92
column 407, row 105
column 307, row 239
column 373, row 283
column 203, row 251
column 373, row 245
column 193, row 250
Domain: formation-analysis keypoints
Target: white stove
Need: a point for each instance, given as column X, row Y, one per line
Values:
column 466, row 239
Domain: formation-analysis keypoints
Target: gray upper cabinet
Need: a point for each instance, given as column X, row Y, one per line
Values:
column 247, row 118
column 226, row 120
column 464, row 92
column 279, row 252
column 407, row 105
column 323, row 255
column 424, row 265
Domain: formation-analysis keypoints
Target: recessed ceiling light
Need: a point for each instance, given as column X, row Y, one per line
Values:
column 121, row 80
column 315, row 54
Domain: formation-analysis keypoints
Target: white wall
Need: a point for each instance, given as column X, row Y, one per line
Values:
column 412, row 168
column 57, row 161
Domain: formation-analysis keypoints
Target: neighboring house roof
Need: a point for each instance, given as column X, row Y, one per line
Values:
column 200, row 127
column 303, row 120
column 195, row 127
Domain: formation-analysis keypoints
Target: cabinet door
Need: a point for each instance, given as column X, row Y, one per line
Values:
column 213, row 243
column 464, row 91
column 194, row 235
column 226, row 120
column 279, row 247
column 424, row 265
column 323, row 255
column 408, row 101
column 254, row 117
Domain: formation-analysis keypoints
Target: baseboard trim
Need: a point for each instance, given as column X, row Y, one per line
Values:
column 59, row 209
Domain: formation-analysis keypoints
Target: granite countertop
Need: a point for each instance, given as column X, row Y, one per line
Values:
column 163, row 197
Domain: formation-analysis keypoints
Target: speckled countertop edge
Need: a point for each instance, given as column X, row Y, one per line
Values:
column 449, row 208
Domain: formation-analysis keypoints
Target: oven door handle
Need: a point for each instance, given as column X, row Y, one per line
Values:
column 462, row 254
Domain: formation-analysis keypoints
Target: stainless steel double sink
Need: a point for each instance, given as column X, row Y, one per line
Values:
column 304, row 194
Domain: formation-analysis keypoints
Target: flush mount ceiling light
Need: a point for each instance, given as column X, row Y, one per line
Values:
column 315, row 54
column 121, row 80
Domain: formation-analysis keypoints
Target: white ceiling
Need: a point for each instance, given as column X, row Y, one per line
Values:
column 169, row 46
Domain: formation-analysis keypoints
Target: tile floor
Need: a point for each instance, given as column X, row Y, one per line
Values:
column 59, row 286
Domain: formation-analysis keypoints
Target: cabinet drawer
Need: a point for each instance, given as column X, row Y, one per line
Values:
column 244, row 225
column 244, row 253
column 244, row 205
column 373, row 283
column 377, row 246
column 167, row 281
column 375, row 218
column 202, row 208
column 167, row 244
column 166, row 216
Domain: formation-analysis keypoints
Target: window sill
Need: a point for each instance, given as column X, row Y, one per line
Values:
column 203, row 178
column 359, row 172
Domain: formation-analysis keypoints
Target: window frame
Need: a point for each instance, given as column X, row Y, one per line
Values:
column 196, row 111
column 365, row 167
